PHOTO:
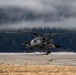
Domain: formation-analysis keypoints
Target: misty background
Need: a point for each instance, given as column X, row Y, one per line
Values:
column 40, row 16
column 16, row 14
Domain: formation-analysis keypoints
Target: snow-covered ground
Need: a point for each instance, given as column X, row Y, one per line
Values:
column 37, row 58
column 37, row 53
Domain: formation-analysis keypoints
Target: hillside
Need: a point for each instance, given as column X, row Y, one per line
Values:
column 13, row 42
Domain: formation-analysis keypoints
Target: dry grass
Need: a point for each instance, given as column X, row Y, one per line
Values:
column 36, row 70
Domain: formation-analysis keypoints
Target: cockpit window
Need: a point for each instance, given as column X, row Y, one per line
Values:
column 34, row 40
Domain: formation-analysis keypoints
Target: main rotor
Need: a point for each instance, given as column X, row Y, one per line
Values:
column 36, row 34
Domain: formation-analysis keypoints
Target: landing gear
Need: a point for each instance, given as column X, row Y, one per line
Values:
column 31, row 49
column 48, row 52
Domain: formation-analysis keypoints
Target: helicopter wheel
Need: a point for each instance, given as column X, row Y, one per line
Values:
column 31, row 49
column 48, row 52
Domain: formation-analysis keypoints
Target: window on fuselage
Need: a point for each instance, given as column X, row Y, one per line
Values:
column 34, row 40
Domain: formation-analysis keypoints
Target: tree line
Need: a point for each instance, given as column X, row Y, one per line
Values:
column 13, row 42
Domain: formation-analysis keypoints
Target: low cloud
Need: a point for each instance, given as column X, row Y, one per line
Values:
column 38, row 13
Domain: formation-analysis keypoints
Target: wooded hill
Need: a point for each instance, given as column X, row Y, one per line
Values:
column 13, row 42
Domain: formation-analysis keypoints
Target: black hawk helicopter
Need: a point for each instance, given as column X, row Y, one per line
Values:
column 40, row 41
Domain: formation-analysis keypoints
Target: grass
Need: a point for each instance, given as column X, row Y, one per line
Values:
column 15, row 69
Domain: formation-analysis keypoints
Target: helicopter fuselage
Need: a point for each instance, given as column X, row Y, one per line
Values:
column 40, row 42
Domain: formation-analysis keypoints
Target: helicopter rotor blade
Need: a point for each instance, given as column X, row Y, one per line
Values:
column 30, row 32
column 57, row 34
column 23, row 32
column 14, row 33
column 39, row 34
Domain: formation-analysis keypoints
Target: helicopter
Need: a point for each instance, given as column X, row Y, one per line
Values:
column 40, row 41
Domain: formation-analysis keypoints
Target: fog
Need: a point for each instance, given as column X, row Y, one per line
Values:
column 44, row 13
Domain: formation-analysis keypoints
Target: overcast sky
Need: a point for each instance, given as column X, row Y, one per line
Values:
column 59, row 8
